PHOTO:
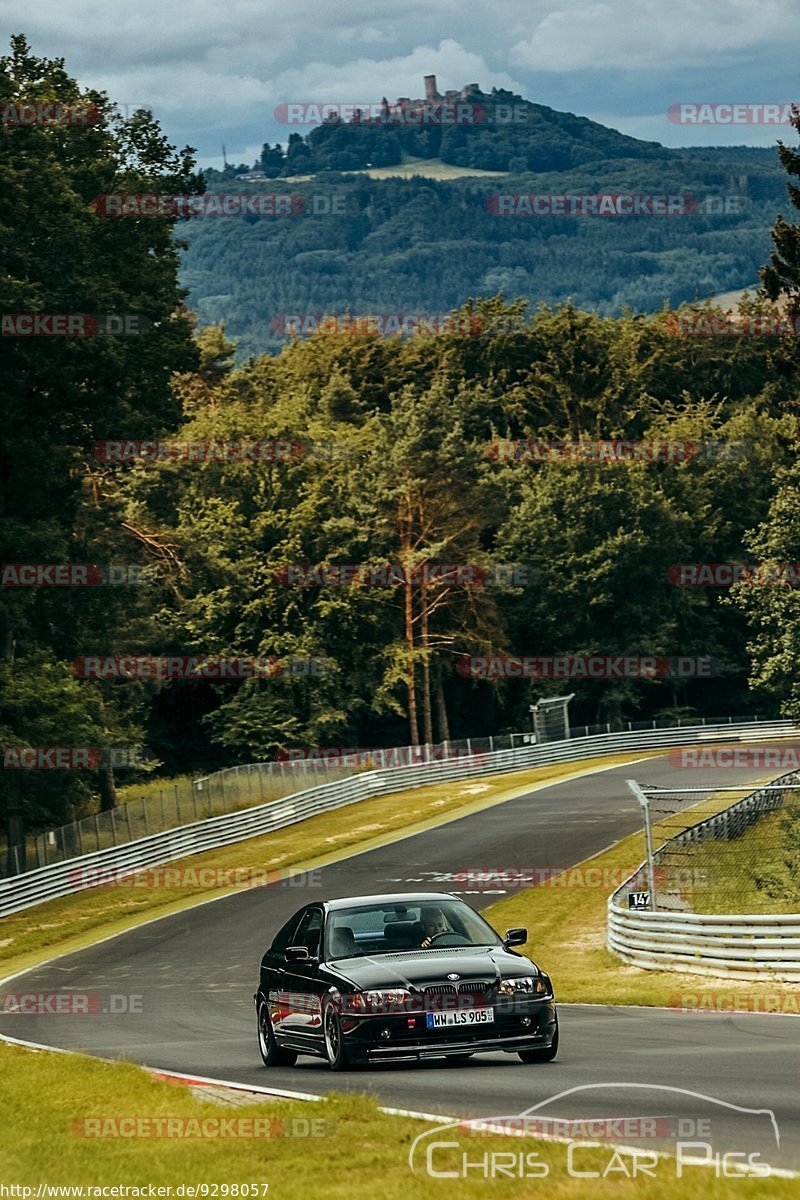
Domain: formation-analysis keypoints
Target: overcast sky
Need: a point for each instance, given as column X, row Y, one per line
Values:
column 214, row 72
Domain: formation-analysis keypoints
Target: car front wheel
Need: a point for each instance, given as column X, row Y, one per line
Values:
column 546, row 1054
column 335, row 1049
column 271, row 1053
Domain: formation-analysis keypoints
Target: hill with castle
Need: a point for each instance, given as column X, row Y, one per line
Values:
column 464, row 128
column 400, row 216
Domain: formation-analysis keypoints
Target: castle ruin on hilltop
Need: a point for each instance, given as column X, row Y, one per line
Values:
column 432, row 96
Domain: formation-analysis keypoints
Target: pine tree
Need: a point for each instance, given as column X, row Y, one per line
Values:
column 781, row 275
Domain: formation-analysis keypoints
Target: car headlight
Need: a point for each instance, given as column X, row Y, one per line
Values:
column 393, row 1000
column 525, row 984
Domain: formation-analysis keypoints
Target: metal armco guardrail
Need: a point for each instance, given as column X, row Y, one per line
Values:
column 65, row 878
column 742, row 946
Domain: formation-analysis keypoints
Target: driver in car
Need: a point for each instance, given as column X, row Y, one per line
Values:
column 433, row 922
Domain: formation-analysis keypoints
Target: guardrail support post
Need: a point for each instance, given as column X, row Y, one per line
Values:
column 648, row 839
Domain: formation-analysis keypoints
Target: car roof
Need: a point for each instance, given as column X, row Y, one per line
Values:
column 390, row 898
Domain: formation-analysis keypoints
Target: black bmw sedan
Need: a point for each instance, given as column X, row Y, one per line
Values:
column 417, row 975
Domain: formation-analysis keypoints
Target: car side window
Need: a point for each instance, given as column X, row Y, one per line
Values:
column 309, row 931
column 283, row 937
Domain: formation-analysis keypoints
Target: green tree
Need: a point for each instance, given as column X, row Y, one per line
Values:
column 64, row 394
column 781, row 275
column 599, row 540
column 434, row 500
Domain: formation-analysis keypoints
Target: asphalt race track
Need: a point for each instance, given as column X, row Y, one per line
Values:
column 196, row 973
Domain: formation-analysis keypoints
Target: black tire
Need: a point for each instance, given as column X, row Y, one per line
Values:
column 271, row 1053
column 541, row 1056
column 335, row 1049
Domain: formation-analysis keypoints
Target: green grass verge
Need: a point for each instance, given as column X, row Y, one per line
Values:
column 357, row 1151
column 568, row 921
column 754, row 873
column 58, row 926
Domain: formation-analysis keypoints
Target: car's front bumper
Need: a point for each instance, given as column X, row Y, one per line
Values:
column 485, row 1046
column 529, row 1027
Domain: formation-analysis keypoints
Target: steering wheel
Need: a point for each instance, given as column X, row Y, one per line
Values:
column 460, row 940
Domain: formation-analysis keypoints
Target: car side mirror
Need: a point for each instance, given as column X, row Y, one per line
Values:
column 297, row 954
column 516, row 937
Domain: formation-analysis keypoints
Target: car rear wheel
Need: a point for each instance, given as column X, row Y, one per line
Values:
column 271, row 1053
column 544, row 1055
column 335, row 1049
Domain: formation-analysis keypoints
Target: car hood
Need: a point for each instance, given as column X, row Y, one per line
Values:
column 420, row 968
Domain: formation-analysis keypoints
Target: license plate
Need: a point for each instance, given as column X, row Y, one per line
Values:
column 461, row 1016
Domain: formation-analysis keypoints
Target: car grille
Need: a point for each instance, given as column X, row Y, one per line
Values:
column 472, row 993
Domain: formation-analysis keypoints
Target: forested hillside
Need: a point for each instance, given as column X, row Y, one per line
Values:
column 426, row 246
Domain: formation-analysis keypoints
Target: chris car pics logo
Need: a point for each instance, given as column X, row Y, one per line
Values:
column 616, row 1130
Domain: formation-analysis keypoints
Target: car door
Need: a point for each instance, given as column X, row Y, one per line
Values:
column 274, row 983
column 302, row 984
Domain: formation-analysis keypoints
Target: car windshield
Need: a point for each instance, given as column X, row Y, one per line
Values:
column 412, row 925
